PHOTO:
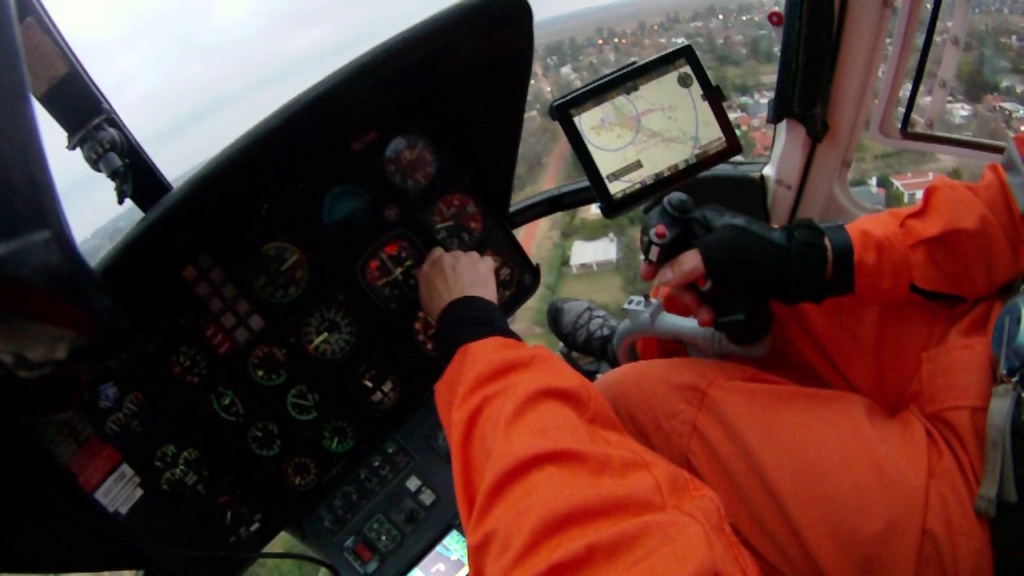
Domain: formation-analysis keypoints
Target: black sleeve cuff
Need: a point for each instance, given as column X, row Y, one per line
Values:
column 466, row 320
column 842, row 260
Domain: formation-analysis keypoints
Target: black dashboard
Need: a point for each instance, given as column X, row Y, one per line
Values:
column 273, row 369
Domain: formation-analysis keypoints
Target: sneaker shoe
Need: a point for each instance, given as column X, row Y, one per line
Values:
column 584, row 328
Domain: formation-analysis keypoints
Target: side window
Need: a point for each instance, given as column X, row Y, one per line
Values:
column 581, row 254
column 953, row 102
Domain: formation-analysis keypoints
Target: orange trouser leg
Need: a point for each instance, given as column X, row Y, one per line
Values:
column 817, row 481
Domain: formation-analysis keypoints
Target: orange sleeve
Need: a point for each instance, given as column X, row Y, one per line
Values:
column 548, row 481
column 963, row 240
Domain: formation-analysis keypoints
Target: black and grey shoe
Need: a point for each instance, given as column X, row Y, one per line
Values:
column 584, row 329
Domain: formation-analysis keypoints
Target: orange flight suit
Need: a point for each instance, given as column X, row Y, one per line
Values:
column 548, row 481
column 857, row 445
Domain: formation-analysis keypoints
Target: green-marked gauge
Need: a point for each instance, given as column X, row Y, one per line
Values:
column 264, row 438
column 300, row 473
column 166, row 457
column 268, row 365
column 302, row 403
column 379, row 389
column 338, row 436
column 181, row 480
column 227, row 404
column 189, row 458
column 189, row 365
column 410, row 162
column 133, row 403
column 281, row 273
column 329, row 332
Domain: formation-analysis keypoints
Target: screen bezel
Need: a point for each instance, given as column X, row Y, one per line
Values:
column 561, row 112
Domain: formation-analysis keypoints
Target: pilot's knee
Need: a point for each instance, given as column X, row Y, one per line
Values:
column 644, row 382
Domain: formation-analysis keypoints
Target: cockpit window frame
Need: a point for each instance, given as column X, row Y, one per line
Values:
column 883, row 125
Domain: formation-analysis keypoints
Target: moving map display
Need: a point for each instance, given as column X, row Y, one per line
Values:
column 647, row 127
column 642, row 136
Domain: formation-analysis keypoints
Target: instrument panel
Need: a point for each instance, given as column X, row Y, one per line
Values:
column 270, row 356
column 285, row 340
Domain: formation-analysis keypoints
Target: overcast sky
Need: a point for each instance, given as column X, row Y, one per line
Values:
column 189, row 76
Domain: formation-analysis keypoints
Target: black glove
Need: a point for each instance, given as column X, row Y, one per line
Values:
column 749, row 261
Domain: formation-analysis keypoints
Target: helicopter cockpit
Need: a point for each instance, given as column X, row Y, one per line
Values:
column 263, row 364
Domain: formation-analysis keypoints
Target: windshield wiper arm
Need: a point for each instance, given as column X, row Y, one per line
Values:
column 63, row 87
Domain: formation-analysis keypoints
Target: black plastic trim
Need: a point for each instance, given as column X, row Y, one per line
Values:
column 922, row 64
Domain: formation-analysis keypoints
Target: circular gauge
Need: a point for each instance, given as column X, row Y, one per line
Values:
column 189, row 457
column 389, row 270
column 457, row 221
column 424, row 328
column 227, row 404
column 329, row 332
column 410, row 162
column 116, row 424
column 189, row 365
column 268, row 365
column 505, row 273
column 133, row 404
column 300, row 473
column 264, row 438
column 181, row 480
column 166, row 457
column 338, row 436
column 281, row 273
column 379, row 389
column 302, row 403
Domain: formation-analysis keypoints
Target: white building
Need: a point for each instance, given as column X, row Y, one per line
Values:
column 912, row 185
column 594, row 255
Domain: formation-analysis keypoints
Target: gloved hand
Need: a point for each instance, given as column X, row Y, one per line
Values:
column 748, row 261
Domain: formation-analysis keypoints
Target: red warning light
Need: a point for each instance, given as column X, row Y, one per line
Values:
column 776, row 18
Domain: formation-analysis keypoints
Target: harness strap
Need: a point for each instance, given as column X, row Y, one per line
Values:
column 997, row 480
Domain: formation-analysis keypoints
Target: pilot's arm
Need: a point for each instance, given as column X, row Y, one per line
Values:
column 547, row 480
column 963, row 242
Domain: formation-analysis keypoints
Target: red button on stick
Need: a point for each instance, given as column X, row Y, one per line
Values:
column 364, row 553
column 660, row 232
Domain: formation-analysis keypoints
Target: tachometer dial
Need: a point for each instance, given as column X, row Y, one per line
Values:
column 119, row 423
column 166, row 457
column 458, row 223
column 185, row 476
column 505, row 273
column 302, row 403
column 389, row 270
column 189, row 458
column 300, row 473
column 379, row 388
column 281, row 273
column 410, row 162
column 227, row 404
column 329, row 332
column 189, row 365
column 338, row 436
column 133, row 404
column 268, row 364
column 424, row 328
column 264, row 439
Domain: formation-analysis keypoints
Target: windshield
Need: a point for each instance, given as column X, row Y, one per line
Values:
column 190, row 76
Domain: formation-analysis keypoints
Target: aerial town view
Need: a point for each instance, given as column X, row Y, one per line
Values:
column 585, row 256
